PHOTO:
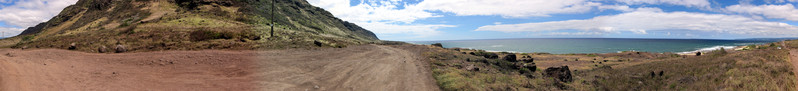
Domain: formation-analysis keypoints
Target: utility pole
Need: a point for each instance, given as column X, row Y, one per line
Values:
column 272, row 32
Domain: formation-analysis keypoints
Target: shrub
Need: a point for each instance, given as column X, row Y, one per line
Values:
column 27, row 38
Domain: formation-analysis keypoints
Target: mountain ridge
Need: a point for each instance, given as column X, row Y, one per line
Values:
column 149, row 25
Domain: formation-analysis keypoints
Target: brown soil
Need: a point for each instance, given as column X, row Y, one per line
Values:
column 366, row 67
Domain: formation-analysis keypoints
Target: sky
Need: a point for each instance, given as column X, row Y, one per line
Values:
column 425, row 20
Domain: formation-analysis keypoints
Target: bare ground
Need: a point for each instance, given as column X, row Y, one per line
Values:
column 366, row 67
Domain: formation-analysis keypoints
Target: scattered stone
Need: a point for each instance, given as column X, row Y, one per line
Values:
column 316, row 87
column 652, row 74
column 72, row 46
column 317, row 43
column 511, row 58
column 102, row 49
column 24, row 47
column 120, row 49
column 472, row 68
column 560, row 73
column 9, row 55
column 661, row 73
column 438, row 45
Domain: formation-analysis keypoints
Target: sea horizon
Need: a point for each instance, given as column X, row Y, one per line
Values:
column 599, row 45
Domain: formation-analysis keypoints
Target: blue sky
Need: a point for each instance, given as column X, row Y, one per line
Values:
column 421, row 20
column 491, row 19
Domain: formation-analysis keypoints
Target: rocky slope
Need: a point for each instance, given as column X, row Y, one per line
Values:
column 148, row 25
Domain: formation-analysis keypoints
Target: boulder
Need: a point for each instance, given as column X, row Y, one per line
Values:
column 560, row 73
column 661, row 73
column 528, row 60
column 72, row 46
column 531, row 66
column 652, row 74
column 317, row 43
column 698, row 54
column 102, row 49
column 511, row 58
column 120, row 49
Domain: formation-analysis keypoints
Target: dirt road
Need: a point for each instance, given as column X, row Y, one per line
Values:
column 366, row 67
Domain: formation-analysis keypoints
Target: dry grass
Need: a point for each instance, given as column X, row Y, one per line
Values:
column 763, row 69
column 758, row 69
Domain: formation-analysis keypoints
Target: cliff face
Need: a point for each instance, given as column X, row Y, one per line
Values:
column 194, row 24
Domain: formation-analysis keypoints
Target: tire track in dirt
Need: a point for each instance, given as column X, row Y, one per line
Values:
column 366, row 68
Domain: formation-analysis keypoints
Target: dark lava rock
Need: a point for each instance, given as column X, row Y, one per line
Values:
column 528, row 60
column 560, row 73
column 661, row 73
column 532, row 67
column 652, row 74
column 698, row 54
column 317, row 43
column 511, row 58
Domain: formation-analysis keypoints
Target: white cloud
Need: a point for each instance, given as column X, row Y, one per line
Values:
column 379, row 11
column 575, row 33
column 688, row 3
column 640, row 22
column 786, row 11
column 418, row 30
column 8, row 32
column 26, row 13
column 382, row 17
column 507, row 8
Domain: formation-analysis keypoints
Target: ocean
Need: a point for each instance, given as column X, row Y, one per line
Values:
column 597, row 45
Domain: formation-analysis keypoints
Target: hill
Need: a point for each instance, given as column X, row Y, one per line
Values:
column 148, row 25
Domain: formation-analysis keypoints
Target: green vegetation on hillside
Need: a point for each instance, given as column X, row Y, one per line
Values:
column 148, row 25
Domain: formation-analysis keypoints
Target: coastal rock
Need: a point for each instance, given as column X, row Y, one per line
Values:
column 528, row 60
column 698, row 54
column 560, row 73
column 511, row 58
column 531, row 66
column 438, row 45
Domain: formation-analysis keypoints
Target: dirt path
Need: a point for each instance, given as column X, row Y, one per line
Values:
column 367, row 67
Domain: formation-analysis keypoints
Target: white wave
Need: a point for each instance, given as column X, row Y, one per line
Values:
column 497, row 46
column 708, row 49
